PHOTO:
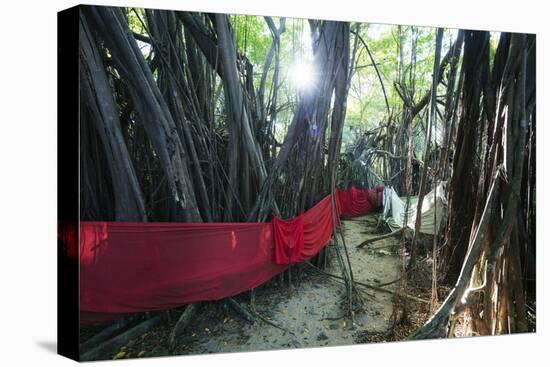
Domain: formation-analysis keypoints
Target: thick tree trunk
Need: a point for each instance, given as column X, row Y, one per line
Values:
column 97, row 98
column 302, row 152
column 151, row 108
column 466, row 169
column 493, row 251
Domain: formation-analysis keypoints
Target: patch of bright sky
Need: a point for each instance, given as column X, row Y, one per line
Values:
column 376, row 31
column 495, row 38
column 144, row 47
column 302, row 71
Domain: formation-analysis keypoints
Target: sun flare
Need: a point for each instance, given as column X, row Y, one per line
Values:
column 302, row 74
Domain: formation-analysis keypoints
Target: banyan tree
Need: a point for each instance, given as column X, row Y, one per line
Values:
column 289, row 127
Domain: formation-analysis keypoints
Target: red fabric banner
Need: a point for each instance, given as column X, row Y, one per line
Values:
column 135, row 267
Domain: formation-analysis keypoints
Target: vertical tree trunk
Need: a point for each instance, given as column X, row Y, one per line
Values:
column 466, row 170
column 151, row 108
column 493, row 251
column 429, row 126
column 97, row 97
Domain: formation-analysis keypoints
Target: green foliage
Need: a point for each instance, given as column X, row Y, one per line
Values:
column 134, row 23
column 253, row 37
column 366, row 105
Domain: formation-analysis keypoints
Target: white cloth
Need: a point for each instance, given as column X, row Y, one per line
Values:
column 434, row 201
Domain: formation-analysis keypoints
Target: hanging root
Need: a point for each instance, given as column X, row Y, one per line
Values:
column 387, row 235
column 373, row 287
column 241, row 310
column 112, row 345
column 105, row 334
column 253, row 314
column 183, row 322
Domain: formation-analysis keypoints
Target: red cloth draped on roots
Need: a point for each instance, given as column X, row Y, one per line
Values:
column 134, row 267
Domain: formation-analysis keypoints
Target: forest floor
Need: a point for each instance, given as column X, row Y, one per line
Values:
column 310, row 313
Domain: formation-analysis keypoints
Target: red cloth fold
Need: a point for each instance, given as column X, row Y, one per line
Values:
column 289, row 239
column 134, row 267
column 317, row 228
